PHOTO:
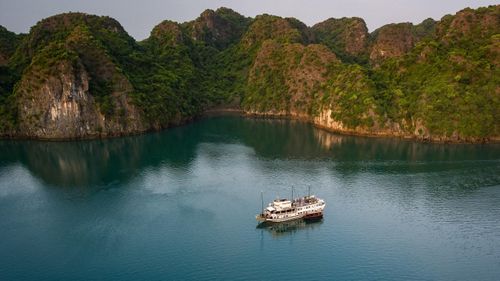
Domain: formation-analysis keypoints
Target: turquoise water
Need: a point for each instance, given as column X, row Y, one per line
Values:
column 180, row 205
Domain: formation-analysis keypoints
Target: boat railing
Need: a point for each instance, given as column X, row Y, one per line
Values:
column 301, row 202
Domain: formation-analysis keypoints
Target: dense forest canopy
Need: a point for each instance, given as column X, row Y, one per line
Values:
column 78, row 75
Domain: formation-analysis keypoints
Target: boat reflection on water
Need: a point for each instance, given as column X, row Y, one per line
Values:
column 289, row 227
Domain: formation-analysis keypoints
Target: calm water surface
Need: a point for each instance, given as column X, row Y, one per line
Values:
column 180, row 205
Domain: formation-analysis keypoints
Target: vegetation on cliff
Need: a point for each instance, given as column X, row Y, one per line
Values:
column 396, row 40
column 435, row 80
column 9, row 41
column 347, row 37
column 451, row 80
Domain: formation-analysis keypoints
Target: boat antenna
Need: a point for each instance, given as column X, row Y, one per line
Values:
column 309, row 191
column 292, row 193
column 262, row 200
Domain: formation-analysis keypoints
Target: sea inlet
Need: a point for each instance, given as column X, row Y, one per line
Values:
column 180, row 205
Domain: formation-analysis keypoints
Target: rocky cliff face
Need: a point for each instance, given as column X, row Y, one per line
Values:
column 281, row 30
column 408, row 96
column 218, row 28
column 168, row 33
column 469, row 23
column 391, row 41
column 396, row 40
column 84, row 76
column 287, row 77
column 62, row 106
column 73, row 87
column 347, row 37
column 78, row 75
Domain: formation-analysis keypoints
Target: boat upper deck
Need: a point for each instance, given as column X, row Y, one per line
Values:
column 304, row 201
column 285, row 204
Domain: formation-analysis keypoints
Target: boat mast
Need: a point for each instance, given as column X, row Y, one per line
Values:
column 309, row 192
column 292, row 193
column 262, row 200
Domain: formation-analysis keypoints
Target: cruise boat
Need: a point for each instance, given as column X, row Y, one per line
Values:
column 280, row 210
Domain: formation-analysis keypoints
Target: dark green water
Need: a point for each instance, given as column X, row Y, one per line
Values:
column 180, row 205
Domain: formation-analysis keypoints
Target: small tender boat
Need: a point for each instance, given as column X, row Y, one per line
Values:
column 308, row 207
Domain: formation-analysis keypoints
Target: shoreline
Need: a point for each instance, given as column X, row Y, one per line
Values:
column 215, row 112
column 304, row 118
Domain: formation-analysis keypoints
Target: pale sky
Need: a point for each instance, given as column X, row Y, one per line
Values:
column 139, row 17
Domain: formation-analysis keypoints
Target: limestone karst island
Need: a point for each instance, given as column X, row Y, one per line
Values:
column 290, row 140
column 77, row 75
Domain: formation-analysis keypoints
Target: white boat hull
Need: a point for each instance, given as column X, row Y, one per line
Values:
column 297, row 211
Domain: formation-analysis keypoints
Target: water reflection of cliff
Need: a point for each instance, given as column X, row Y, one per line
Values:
column 98, row 162
column 347, row 148
column 103, row 162
column 326, row 139
column 272, row 138
column 289, row 228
